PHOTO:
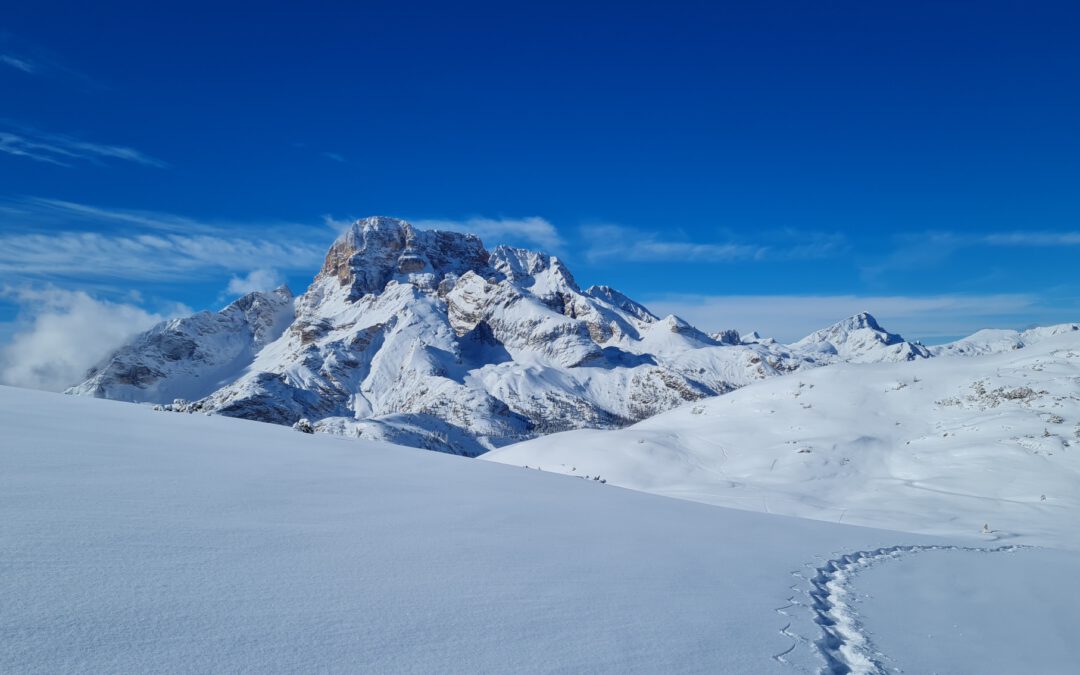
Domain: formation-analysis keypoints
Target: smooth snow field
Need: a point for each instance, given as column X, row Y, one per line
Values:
column 135, row 541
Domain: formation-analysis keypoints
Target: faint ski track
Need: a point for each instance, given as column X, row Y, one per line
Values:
column 844, row 645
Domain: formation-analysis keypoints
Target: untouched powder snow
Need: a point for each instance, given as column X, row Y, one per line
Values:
column 937, row 446
column 141, row 541
column 957, row 611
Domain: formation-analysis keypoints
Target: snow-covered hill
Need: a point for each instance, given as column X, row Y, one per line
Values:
column 992, row 341
column 944, row 445
column 135, row 541
column 427, row 339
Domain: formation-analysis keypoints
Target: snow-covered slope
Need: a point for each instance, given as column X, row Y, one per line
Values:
column 426, row 338
column 135, row 541
column 191, row 357
column 992, row 341
column 935, row 446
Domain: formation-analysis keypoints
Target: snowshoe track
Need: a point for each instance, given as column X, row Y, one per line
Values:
column 844, row 645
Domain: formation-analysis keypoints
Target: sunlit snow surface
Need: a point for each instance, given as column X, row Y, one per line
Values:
column 135, row 541
column 943, row 446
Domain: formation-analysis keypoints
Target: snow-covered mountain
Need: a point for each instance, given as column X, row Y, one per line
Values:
column 860, row 340
column 426, row 338
column 191, row 357
column 943, row 445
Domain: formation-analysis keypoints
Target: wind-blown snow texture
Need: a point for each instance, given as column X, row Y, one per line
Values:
column 427, row 339
column 145, row 542
column 942, row 446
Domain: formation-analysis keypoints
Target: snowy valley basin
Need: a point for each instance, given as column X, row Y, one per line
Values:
column 140, row 541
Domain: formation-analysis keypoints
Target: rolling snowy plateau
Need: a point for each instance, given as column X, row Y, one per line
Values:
column 948, row 445
column 133, row 540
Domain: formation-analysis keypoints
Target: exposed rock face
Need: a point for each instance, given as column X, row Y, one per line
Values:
column 425, row 338
column 375, row 250
column 728, row 337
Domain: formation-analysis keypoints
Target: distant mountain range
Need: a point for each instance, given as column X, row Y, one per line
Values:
column 425, row 338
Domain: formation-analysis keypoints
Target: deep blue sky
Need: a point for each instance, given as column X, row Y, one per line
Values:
column 774, row 165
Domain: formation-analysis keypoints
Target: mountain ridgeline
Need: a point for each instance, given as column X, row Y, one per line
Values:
column 426, row 338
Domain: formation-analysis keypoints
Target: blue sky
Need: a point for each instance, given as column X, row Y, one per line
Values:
column 755, row 165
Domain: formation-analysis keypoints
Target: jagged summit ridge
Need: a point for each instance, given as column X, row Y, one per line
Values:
column 427, row 338
column 375, row 250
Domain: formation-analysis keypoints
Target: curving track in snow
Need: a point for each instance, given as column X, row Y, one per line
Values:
column 844, row 645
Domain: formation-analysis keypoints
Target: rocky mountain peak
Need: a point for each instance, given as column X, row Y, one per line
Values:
column 522, row 266
column 861, row 320
column 376, row 250
column 857, row 338
column 621, row 301
column 729, row 336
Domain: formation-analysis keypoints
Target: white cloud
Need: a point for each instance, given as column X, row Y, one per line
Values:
column 534, row 231
column 616, row 242
column 338, row 225
column 334, row 156
column 60, row 334
column 110, row 245
column 1032, row 239
column 93, row 255
column 256, row 280
column 790, row 317
column 65, row 151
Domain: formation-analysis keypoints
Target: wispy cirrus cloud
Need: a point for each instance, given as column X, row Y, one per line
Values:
column 929, row 249
column 68, row 151
column 929, row 317
column 616, row 242
column 44, row 239
column 531, row 231
column 1031, row 239
column 30, row 58
column 25, row 65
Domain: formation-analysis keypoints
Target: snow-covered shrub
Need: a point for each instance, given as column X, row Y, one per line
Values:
column 304, row 425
